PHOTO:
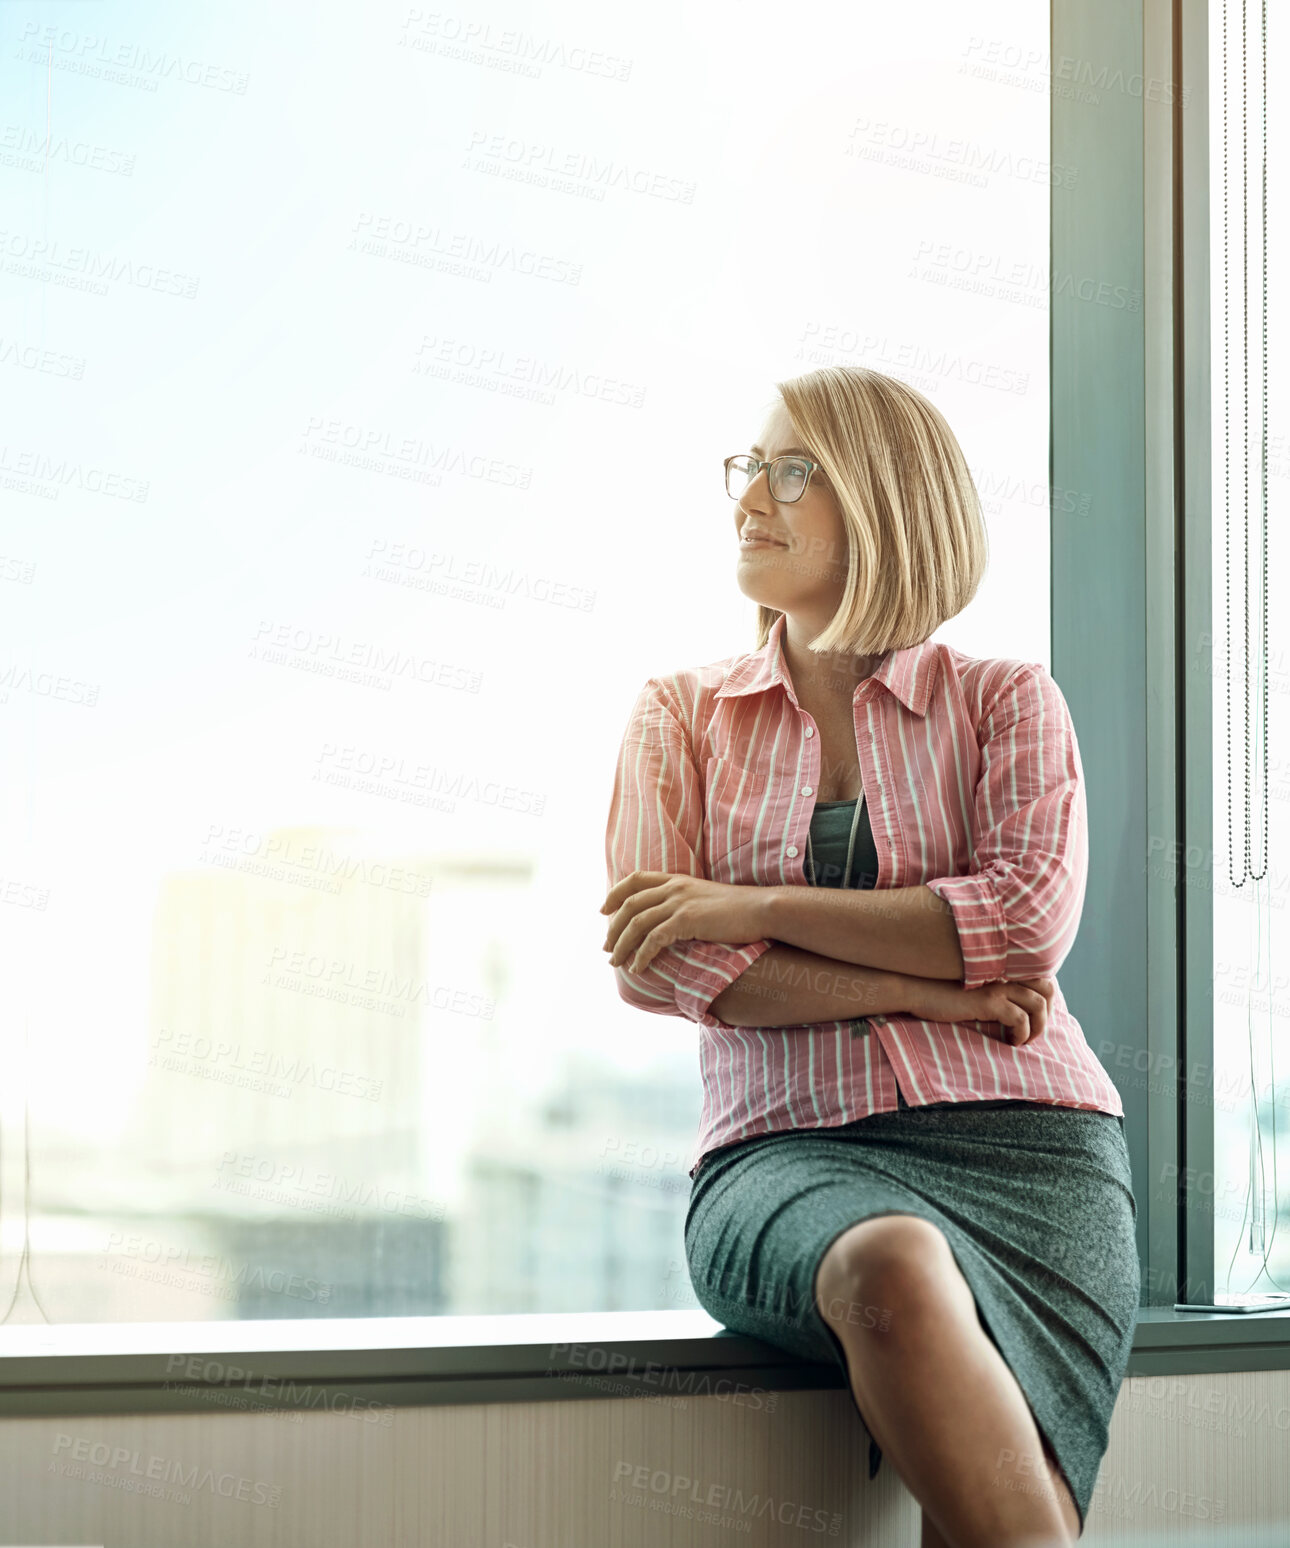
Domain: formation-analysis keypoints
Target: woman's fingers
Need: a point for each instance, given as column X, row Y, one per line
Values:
column 1021, row 1011
column 1045, row 986
column 1035, row 1006
column 1019, row 1007
column 1014, row 1020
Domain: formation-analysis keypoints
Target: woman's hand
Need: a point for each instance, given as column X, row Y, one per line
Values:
column 654, row 909
column 1021, row 1006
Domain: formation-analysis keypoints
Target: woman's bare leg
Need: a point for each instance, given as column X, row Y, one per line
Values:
column 931, row 1534
column 936, row 1393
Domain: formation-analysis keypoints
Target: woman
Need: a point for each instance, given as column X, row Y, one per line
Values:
column 857, row 858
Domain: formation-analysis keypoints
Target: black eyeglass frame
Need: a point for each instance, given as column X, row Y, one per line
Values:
column 811, row 467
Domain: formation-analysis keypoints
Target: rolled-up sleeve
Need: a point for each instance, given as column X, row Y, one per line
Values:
column 1018, row 910
column 655, row 823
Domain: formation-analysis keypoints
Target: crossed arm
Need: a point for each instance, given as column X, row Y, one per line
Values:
column 864, row 947
column 798, row 955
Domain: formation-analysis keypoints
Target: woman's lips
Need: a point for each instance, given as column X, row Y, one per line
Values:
column 760, row 543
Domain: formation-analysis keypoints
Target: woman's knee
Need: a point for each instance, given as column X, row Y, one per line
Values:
column 883, row 1267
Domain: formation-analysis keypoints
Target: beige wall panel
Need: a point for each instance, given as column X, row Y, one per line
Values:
column 1195, row 1457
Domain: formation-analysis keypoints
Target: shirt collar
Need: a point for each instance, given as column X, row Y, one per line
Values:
column 909, row 673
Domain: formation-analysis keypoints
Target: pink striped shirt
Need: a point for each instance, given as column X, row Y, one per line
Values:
column 974, row 786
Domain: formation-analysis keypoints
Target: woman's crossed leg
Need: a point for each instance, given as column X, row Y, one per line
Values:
column 935, row 1392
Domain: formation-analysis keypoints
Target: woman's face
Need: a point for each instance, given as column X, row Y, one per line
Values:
column 804, row 572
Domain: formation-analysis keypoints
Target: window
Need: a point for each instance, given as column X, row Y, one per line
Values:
column 1251, row 466
column 370, row 377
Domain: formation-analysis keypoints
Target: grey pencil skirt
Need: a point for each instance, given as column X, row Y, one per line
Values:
column 1036, row 1202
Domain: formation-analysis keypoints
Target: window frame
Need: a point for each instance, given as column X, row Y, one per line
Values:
column 1132, row 610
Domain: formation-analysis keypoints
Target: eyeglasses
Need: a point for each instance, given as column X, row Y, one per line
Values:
column 788, row 476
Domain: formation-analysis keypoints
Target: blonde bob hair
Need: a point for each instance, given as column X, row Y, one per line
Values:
column 916, row 541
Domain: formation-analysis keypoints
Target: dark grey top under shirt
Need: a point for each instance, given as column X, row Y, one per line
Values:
column 830, row 835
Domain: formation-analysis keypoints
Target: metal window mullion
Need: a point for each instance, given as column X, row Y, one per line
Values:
column 1196, row 739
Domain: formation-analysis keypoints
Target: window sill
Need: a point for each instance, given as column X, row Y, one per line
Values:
column 364, row 1364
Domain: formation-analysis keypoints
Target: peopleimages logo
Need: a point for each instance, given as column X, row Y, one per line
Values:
column 640, row 1484
column 216, row 1267
column 123, row 1466
column 97, row 55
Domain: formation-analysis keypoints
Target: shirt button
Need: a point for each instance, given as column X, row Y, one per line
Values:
column 810, row 730
column 791, row 850
column 806, row 790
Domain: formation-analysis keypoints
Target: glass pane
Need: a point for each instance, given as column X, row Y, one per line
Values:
column 738, row 475
column 788, row 480
column 1251, row 1079
column 325, row 601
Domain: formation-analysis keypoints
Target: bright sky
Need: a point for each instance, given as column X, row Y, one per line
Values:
column 873, row 189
